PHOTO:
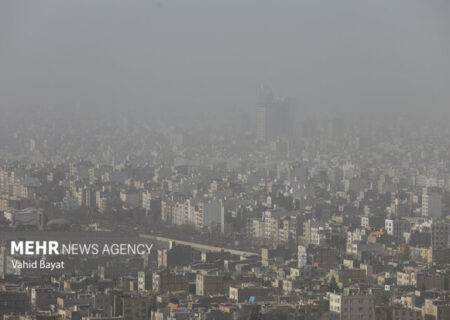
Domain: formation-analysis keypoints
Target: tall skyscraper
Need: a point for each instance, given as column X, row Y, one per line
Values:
column 261, row 123
column 431, row 203
column 32, row 145
column 274, row 117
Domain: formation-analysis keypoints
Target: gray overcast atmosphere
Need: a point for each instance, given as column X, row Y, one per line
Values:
column 202, row 55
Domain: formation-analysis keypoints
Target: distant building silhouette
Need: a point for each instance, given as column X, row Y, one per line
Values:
column 274, row 117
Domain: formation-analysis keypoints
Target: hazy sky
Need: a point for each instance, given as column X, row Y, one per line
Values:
column 211, row 55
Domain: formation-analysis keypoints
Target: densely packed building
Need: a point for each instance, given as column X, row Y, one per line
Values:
column 339, row 220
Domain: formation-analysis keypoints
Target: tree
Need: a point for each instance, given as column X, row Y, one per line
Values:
column 333, row 285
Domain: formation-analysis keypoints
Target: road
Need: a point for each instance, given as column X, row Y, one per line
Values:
column 199, row 246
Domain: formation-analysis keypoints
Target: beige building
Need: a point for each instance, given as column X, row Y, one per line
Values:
column 399, row 313
column 168, row 282
column 436, row 309
column 206, row 285
column 352, row 305
column 344, row 276
column 136, row 308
